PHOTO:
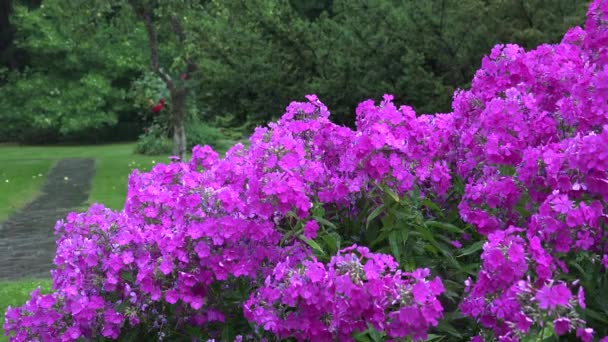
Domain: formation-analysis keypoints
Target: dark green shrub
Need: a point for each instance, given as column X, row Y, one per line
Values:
column 154, row 141
column 202, row 133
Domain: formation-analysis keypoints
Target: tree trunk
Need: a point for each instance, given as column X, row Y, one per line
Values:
column 178, row 115
column 178, row 92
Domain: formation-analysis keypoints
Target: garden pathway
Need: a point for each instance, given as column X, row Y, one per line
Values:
column 27, row 242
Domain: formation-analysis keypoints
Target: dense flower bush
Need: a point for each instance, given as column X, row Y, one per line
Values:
column 315, row 302
column 240, row 247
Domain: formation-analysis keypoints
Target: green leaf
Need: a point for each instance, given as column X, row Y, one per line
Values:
column 393, row 241
column 313, row 244
column 392, row 194
column 474, row 248
column 362, row 337
column 228, row 332
column 325, row 222
column 596, row 315
column 447, row 327
column 376, row 335
column 192, row 331
column 331, row 242
column 433, row 337
column 369, row 335
column 428, row 236
column 522, row 211
column 132, row 335
column 373, row 215
column 580, row 269
column 445, row 226
column 127, row 276
column 382, row 237
column 431, row 205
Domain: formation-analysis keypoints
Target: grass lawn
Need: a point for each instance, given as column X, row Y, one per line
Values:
column 22, row 171
column 15, row 293
column 19, row 181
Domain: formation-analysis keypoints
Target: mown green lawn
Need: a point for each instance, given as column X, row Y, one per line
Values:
column 23, row 168
column 15, row 293
column 19, row 181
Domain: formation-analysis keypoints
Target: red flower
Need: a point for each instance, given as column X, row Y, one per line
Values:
column 159, row 106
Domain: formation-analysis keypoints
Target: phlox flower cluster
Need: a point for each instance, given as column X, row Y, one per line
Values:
column 357, row 289
column 534, row 154
column 510, row 303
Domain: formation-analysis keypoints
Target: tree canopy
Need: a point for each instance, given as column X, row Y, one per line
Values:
column 88, row 65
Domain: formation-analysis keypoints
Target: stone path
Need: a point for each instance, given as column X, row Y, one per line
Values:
column 27, row 242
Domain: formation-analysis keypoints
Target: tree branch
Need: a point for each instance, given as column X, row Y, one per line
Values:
column 177, row 28
column 145, row 14
column 181, row 37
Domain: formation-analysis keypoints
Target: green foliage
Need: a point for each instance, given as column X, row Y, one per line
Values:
column 534, row 22
column 201, row 133
column 257, row 57
column 146, row 91
column 74, row 82
column 88, row 62
column 417, row 234
column 588, row 269
column 251, row 63
column 153, row 142
column 60, row 105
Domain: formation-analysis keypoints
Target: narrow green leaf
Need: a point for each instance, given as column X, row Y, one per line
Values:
column 376, row 335
column 313, row 244
column 596, row 315
column 393, row 241
column 447, row 327
column 362, row 337
column 373, row 215
column 393, row 195
column 445, row 226
column 433, row 337
column 431, row 205
column 474, row 248
column 381, row 238
column 429, row 237
column 324, row 222
column 228, row 333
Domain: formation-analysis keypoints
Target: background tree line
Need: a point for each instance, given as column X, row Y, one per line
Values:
column 85, row 71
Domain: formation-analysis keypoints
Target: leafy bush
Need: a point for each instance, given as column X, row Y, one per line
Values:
column 486, row 223
column 153, row 142
column 200, row 133
column 72, row 86
column 155, row 139
column 254, row 59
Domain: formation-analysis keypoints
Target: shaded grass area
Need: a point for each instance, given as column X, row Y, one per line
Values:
column 15, row 293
